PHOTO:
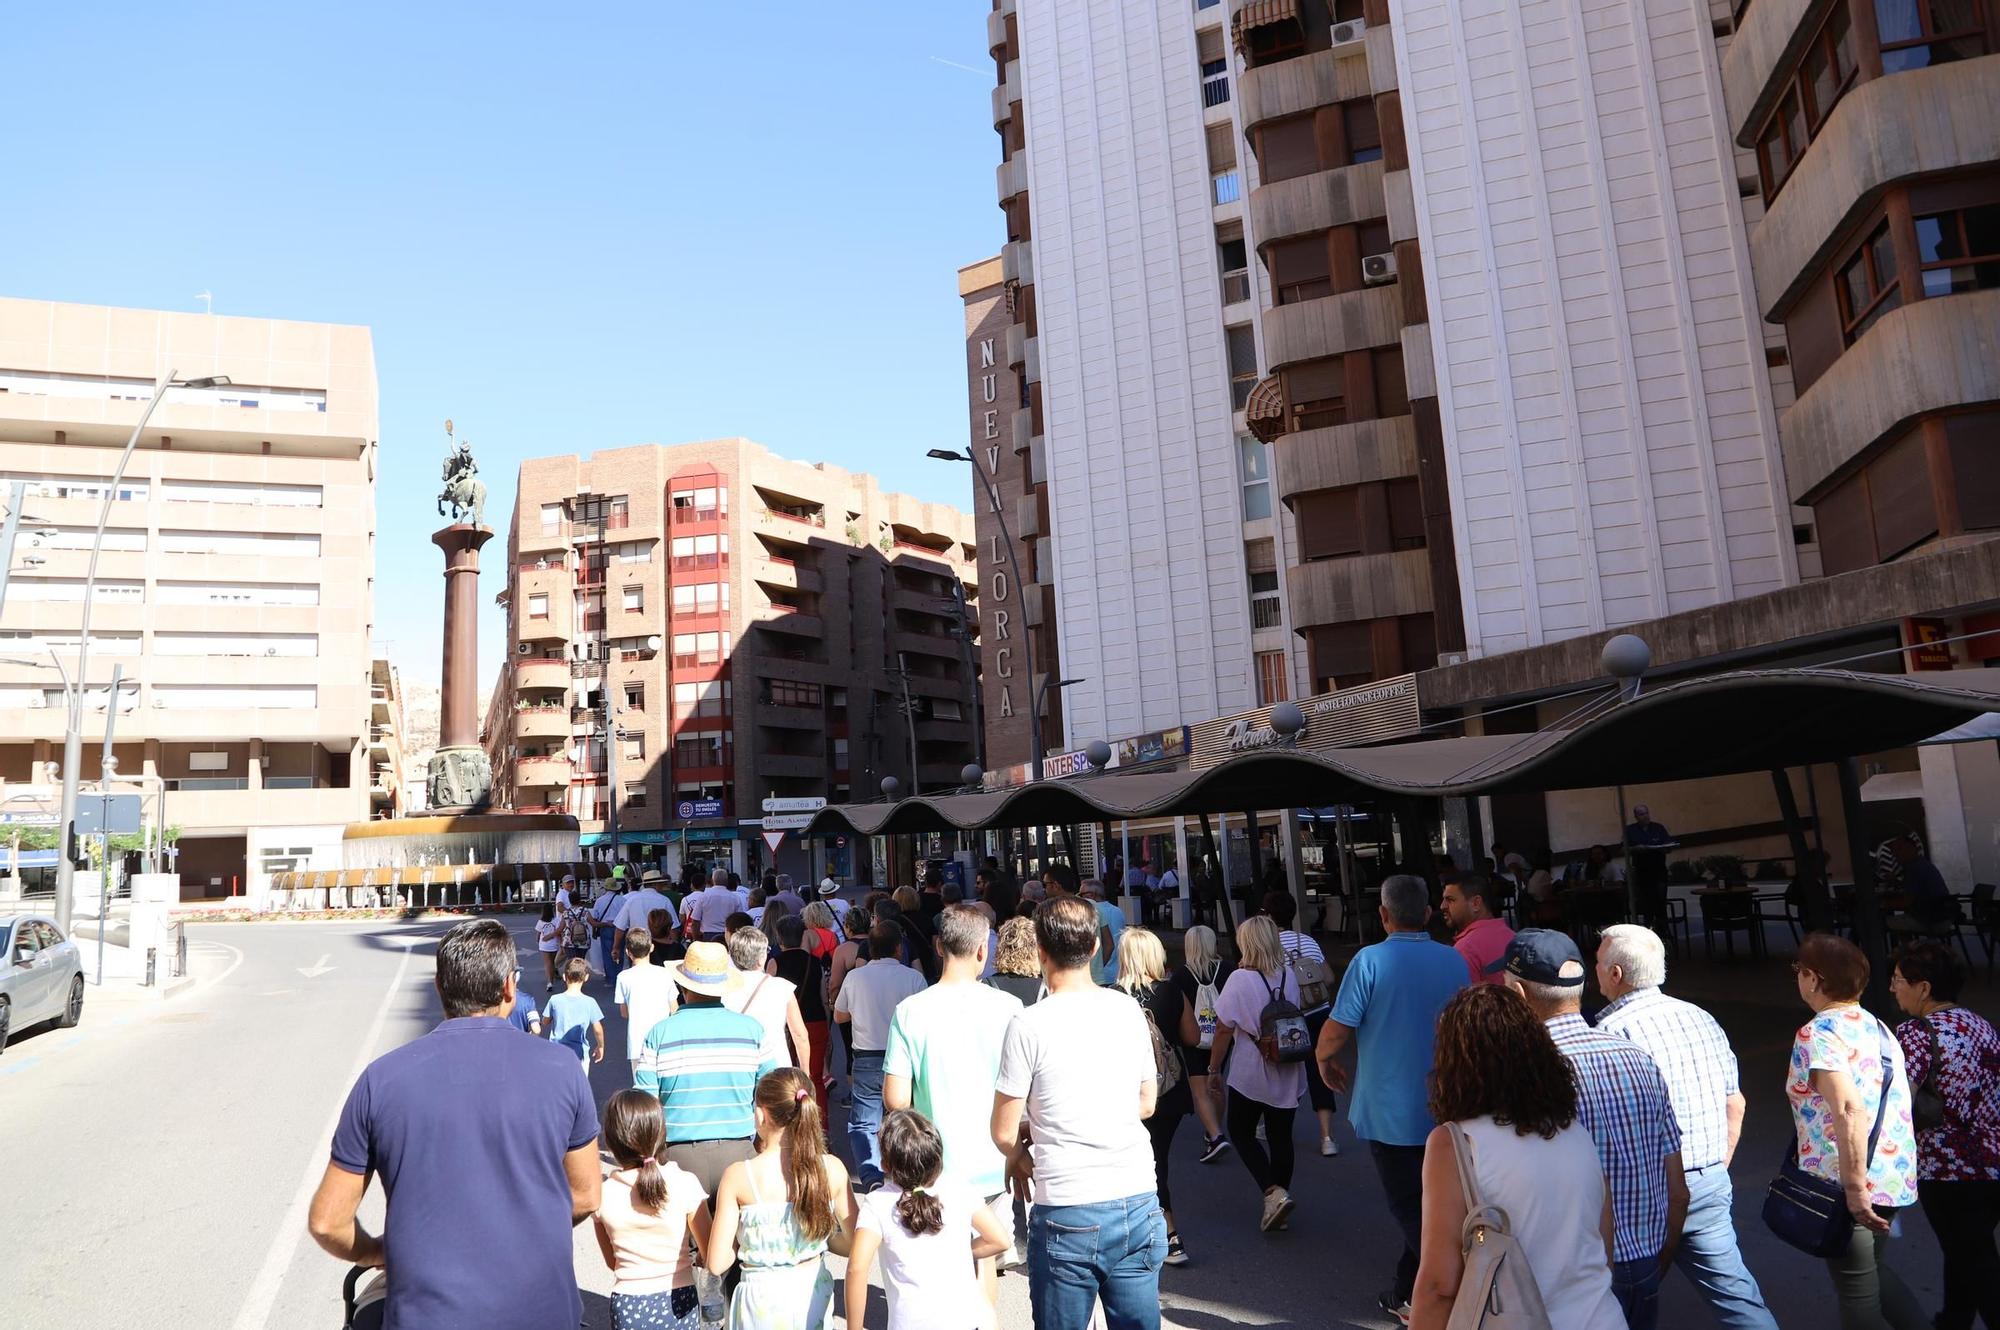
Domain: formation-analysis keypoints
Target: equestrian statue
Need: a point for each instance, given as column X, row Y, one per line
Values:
column 463, row 493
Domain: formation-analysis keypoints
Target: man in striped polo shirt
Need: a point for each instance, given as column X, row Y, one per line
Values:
column 704, row 1062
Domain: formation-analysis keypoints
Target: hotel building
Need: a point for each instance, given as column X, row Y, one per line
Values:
column 236, row 583
column 812, row 639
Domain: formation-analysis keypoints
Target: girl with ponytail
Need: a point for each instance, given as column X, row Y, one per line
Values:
column 927, row 1233
column 779, row 1212
column 652, row 1210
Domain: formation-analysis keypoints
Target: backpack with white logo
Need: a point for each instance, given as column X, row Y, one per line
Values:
column 1314, row 977
column 576, row 928
column 1282, row 1035
column 1205, row 998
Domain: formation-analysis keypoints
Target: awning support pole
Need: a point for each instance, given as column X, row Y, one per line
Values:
column 1868, row 930
column 1788, row 809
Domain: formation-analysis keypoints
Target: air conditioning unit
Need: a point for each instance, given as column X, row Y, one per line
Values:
column 1349, row 33
column 523, row 648
column 1378, row 268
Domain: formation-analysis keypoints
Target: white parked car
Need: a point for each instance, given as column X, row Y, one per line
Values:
column 41, row 976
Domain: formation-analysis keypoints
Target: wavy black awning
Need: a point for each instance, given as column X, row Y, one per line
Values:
column 1747, row 720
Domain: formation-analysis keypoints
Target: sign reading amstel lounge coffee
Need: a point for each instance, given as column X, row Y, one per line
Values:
column 1369, row 714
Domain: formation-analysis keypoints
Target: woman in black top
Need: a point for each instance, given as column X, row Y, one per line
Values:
column 1202, row 966
column 803, row 969
column 1017, row 969
column 1142, row 972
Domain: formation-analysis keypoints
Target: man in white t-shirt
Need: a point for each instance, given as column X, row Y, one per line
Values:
column 711, row 907
column 639, row 906
column 1078, row 1065
column 944, row 1056
column 866, row 1005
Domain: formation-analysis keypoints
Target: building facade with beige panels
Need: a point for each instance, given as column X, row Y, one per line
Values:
column 797, row 607
column 236, row 581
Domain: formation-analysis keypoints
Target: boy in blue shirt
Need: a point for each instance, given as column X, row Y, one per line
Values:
column 575, row 1020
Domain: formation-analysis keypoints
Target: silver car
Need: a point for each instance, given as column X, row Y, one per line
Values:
column 41, row 976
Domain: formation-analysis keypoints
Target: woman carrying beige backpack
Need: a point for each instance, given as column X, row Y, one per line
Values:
column 1517, row 1219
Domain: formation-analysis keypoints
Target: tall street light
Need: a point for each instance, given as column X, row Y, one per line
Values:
column 73, row 736
column 1014, row 566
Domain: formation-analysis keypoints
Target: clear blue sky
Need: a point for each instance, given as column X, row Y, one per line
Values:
column 570, row 227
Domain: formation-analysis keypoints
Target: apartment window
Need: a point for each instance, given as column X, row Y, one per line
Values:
column 1256, row 464
column 1270, row 677
column 692, row 649
column 631, row 551
column 1867, row 285
column 1825, row 73
column 635, row 697
column 1364, row 131
column 702, row 699
column 1265, row 611
column 634, row 599
column 702, row 750
column 1917, row 33
column 701, row 598
column 538, row 606
column 1959, row 251
column 632, row 744
column 1392, row 388
column 552, row 518
column 1214, row 82
column 607, row 512
column 694, row 552
column 840, row 759
column 707, row 504
column 1406, row 515
column 791, row 693
column 1316, row 394
column 1228, row 186
column 1882, row 510
column 1329, row 524
column 1242, row 345
column 1287, row 149
column 1300, row 269
column 635, row 796
column 1235, row 259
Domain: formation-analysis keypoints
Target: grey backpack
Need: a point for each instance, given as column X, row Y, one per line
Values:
column 1498, row 1289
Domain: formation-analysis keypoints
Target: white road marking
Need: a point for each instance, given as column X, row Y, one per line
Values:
column 318, row 967
column 263, row 1295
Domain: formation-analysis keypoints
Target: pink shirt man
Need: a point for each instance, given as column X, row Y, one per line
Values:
column 1483, row 942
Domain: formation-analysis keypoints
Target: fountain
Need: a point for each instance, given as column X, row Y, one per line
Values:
column 461, row 852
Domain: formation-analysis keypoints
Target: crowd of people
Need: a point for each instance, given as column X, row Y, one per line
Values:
column 1015, row 1069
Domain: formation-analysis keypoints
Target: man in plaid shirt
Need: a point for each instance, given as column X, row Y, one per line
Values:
column 1700, row 1067
column 1622, row 1102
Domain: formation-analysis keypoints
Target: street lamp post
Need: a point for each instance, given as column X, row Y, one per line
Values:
column 73, row 739
column 1014, row 566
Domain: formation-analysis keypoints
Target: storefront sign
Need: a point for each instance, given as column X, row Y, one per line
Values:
column 1064, row 764
column 1925, row 644
column 1161, row 746
column 1369, row 714
column 693, row 808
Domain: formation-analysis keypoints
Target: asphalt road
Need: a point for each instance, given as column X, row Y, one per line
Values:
column 160, row 1159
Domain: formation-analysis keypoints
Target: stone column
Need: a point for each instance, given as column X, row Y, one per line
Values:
column 461, row 778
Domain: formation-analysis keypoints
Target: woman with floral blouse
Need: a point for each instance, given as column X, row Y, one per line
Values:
column 1847, row 1068
column 1958, row 1157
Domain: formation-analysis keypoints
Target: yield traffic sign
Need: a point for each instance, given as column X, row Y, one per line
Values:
column 774, row 839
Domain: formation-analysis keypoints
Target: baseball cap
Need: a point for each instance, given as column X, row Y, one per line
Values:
column 1542, row 956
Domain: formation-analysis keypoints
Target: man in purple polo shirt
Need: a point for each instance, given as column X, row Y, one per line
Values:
column 1472, row 908
column 486, row 1144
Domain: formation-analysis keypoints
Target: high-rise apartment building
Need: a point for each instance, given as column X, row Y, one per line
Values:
column 235, row 587
column 812, row 632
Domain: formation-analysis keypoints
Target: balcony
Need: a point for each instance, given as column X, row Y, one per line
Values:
column 1007, row 94
column 787, row 575
column 1028, row 516
column 1031, row 360
column 928, row 644
column 1308, row 204
column 1331, row 325
column 1366, row 586
column 1017, row 262
column 933, row 729
column 379, row 705
column 939, row 561
column 1302, row 84
column 1017, row 349
column 532, row 675
column 996, row 32
column 792, row 766
column 379, row 740
column 785, row 619
column 1010, row 178
column 540, row 773
column 1343, row 455
column 542, row 723
column 788, row 717
column 540, row 628
column 1038, row 604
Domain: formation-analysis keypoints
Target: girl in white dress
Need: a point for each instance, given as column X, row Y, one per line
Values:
column 927, row 1234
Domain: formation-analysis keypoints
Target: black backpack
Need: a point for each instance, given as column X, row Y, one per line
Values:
column 1282, row 1034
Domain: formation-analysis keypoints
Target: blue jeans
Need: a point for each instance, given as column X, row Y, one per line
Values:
column 1708, row 1255
column 1111, row 1251
column 1636, row 1285
column 608, row 952
column 864, row 1118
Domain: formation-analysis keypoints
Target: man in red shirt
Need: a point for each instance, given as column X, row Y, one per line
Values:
column 1472, row 908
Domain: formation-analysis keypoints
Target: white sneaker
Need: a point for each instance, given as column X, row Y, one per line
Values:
column 1327, row 1148
column 1278, row 1206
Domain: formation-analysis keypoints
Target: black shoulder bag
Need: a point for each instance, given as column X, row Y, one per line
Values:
column 1807, row 1210
column 1926, row 1101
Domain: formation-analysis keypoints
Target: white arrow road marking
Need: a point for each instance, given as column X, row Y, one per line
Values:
column 319, row 967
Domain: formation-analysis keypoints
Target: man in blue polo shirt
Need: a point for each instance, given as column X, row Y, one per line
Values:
column 1387, row 1011
column 486, row 1145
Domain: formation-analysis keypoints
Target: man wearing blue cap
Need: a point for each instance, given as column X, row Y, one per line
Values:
column 1622, row 1102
